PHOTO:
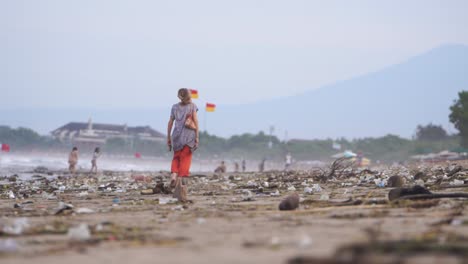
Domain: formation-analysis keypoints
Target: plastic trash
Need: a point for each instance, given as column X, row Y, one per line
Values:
column 62, row 207
column 380, row 183
column 275, row 194
column 11, row 195
column 316, row 188
column 48, row 196
column 266, row 184
column 84, row 210
column 115, row 201
column 308, row 190
column 18, row 226
column 167, row 200
column 291, row 188
column 457, row 182
column 83, row 194
column 178, row 208
column 247, row 195
column 325, row 197
column 79, row 233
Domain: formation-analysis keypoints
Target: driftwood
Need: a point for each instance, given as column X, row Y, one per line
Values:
column 418, row 193
column 432, row 196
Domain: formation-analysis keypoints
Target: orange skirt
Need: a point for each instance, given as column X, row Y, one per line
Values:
column 181, row 162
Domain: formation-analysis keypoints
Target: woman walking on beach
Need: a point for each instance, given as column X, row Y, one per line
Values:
column 184, row 141
column 73, row 160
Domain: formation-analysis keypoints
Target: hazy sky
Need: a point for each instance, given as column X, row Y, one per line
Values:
column 127, row 54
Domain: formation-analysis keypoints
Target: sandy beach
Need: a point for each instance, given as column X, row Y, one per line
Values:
column 234, row 218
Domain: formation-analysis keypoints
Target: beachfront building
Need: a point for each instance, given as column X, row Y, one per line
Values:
column 97, row 134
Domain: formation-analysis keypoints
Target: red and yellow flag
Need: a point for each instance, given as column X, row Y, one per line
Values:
column 193, row 93
column 210, row 107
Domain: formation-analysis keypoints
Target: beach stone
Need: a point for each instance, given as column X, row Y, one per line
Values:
column 291, row 202
column 396, row 181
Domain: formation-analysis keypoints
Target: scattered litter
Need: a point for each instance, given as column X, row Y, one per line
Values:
column 84, row 210
column 167, row 200
column 324, row 197
column 308, row 190
column 457, row 182
column 247, row 195
column 79, row 233
column 316, row 188
column 18, row 226
column 275, row 194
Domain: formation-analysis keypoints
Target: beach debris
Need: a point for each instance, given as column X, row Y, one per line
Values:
column 247, row 196
column 18, row 227
column 380, row 183
column 457, row 182
column 316, row 188
column 116, row 201
column 400, row 192
column 178, row 208
column 291, row 202
column 201, row 221
column 395, row 181
column 419, row 192
column 64, row 208
column 48, row 196
column 167, row 200
column 83, row 194
column 84, row 210
column 275, row 194
column 147, row 192
column 308, row 190
column 11, row 195
column 79, row 233
column 291, row 188
column 325, row 197
column 162, row 188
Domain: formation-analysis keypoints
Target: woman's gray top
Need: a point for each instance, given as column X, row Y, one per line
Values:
column 181, row 135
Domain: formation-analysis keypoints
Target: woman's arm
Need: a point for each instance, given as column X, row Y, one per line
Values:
column 195, row 119
column 169, row 130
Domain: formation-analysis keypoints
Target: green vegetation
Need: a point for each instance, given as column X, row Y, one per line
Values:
column 459, row 116
column 431, row 132
column 253, row 146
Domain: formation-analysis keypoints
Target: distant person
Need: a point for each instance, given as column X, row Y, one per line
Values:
column 96, row 155
column 261, row 166
column 243, row 165
column 288, row 161
column 221, row 168
column 184, row 141
column 236, row 166
column 73, row 160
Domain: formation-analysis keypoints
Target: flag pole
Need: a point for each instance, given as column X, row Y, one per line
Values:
column 204, row 121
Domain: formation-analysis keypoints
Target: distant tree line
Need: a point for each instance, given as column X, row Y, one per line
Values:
column 428, row 138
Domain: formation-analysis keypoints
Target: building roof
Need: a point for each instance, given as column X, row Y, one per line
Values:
column 77, row 126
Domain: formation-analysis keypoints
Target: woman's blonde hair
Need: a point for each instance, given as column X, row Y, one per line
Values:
column 184, row 95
